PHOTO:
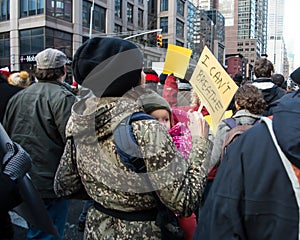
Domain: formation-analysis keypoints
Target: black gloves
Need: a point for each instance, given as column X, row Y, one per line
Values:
column 16, row 162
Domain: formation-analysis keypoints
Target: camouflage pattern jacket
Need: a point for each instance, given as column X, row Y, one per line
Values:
column 179, row 183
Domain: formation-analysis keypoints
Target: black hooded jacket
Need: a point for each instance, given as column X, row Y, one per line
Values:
column 270, row 91
column 252, row 196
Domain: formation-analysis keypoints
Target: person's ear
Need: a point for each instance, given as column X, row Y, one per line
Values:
column 236, row 105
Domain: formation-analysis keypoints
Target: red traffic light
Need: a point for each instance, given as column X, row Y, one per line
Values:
column 159, row 40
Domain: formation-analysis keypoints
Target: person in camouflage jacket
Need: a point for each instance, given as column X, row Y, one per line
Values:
column 178, row 183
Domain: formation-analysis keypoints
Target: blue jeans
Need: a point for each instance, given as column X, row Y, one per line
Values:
column 58, row 211
column 87, row 204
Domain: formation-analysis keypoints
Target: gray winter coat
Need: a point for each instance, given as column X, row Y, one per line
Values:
column 243, row 117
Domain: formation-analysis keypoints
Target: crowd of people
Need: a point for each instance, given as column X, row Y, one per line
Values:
column 163, row 177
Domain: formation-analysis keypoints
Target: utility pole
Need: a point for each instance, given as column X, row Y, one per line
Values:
column 91, row 19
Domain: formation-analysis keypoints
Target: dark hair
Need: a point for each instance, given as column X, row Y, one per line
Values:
column 278, row 79
column 238, row 79
column 250, row 98
column 49, row 74
column 162, row 78
column 150, row 71
column 263, row 68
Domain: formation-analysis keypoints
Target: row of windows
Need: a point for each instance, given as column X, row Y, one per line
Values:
column 99, row 16
column 56, row 8
column 35, row 40
column 59, row 9
column 246, row 49
column 164, row 6
column 30, row 8
column 246, row 43
column 129, row 12
column 179, row 26
column 276, row 37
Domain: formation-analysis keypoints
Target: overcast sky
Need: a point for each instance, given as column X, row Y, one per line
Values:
column 292, row 28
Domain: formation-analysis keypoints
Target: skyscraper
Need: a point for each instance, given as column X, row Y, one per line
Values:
column 245, row 27
column 276, row 46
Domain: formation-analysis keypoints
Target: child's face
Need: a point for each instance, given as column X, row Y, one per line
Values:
column 163, row 116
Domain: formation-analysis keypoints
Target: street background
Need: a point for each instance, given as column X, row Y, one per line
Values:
column 71, row 232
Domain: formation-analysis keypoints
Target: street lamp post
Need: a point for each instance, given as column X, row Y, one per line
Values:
column 91, row 18
column 144, row 33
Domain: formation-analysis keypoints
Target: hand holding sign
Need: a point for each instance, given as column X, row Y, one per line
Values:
column 197, row 124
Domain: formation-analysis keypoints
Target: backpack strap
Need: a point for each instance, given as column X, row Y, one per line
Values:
column 287, row 165
column 230, row 122
column 232, row 135
column 130, row 154
column 126, row 145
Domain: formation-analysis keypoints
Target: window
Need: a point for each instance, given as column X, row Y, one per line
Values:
column 99, row 19
column 180, row 7
column 40, row 6
column 141, row 1
column 4, row 45
column 118, row 28
column 129, row 13
column 31, row 7
column 35, row 40
column 164, row 24
column 60, row 9
column 31, row 41
column 4, row 10
column 140, row 18
column 99, row 16
column 164, row 5
column 179, row 28
column 118, row 8
column 165, row 43
column 179, row 44
column 59, row 40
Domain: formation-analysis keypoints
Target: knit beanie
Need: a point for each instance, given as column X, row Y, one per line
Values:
column 154, row 101
column 5, row 71
column 108, row 66
column 295, row 75
column 151, row 75
column 20, row 79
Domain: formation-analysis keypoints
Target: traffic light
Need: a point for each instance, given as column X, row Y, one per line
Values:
column 159, row 40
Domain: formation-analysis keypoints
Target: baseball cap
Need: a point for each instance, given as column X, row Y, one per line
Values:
column 50, row 58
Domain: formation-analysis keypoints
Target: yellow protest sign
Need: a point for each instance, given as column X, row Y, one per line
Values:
column 213, row 85
column 177, row 60
column 208, row 119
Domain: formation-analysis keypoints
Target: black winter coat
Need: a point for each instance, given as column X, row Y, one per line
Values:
column 252, row 197
column 6, row 92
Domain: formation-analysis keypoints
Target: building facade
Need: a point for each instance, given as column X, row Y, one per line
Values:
column 277, row 52
column 207, row 29
column 172, row 20
column 29, row 26
column 237, row 64
column 245, row 27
